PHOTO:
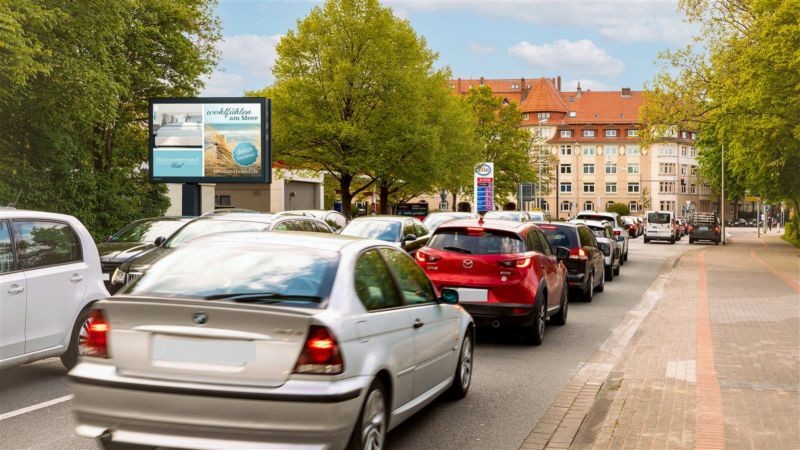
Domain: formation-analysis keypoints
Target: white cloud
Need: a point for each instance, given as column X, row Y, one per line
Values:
column 581, row 56
column 617, row 20
column 254, row 54
column 223, row 84
column 480, row 49
column 587, row 84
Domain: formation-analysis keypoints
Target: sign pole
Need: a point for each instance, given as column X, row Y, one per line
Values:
column 191, row 199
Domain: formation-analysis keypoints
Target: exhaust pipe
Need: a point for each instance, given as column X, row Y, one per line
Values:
column 496, row 324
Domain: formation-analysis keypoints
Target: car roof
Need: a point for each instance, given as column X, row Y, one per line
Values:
column 300, row 239
column 382, row 218
column 241, row 217
column 13, row 213
column 593, row 223
column 492, row 224
column 547, row 225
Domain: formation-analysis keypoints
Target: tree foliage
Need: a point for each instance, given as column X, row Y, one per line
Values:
column 619, row 208
column 740, row 88
column 74, row 95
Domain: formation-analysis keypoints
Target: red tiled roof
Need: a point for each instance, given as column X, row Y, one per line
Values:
column 603, row 106
column 543, row 97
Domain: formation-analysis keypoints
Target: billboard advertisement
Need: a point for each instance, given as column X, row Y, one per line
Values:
column 484, row 187
column 213, row 140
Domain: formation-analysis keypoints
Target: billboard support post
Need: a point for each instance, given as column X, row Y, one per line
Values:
column 191, row 199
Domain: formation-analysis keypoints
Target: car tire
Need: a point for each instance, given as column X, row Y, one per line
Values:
column 624, row 257
column 111, row 445
column 646, row 241
column 534, row 335
column 373, row 420
column 608, row 273
column 561, row 317
column 672, row 240
column 616, row 271
column 691, row 241
column 602, row 286
column 70, row 357
column 588, row 293
column 463, row 376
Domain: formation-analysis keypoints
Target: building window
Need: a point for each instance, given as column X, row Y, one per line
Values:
column 588, row 188
column 526, row 116
column 694, row 136
column 566, row 188
column 571, row 98
column 588, row 206
column 588, row 133
column 566, row 150
column 683, row 169
column 693, row 152
column 566, row 168
column 611, row 168
column 693, row 170
column 566, row 133
column 694, row 189
column 633, row 133
column 633, row 168
column 572, row 113
column 666, row 187
column 545, row 206
column 666, row 169
column 588, row 150
column 514, row 86
column 683, row 135
column 667, row 150
column 683, row 151
column 683, row 188
column 611, row 188
column 632, row 150
column 611, row 152
column 633, row 206
column 222, row 200
column 588, row 169
column 611, row 133
column 633, row 188
column 543, row 115
column 566, row 206
column 609, row 203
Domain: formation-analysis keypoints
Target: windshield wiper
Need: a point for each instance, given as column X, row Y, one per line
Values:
column 261, row 297
column 457, row 249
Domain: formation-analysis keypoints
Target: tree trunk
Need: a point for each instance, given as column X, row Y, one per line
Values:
column 383, row 198
column 455, row 197
column 347, row 198
column 795, row 220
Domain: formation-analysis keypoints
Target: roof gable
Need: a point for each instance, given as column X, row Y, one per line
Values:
column 543, row 97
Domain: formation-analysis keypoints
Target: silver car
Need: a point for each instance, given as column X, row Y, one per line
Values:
column 270, row 340
column 610, row 245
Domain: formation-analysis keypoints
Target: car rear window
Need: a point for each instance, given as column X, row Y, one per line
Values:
column 204, row 227
column 560, row 236
column 599, row 218
column 501, row 215
column 476, row 242
column 373, row 229
column 659, row 218
column 146, row 231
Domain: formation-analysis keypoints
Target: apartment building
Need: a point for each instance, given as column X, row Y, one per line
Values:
column 594, row 136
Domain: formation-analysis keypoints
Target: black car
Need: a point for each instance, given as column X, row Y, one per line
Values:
column 211, row 224
column 705, row 227
column 586, row 264
column 134, row 239
column 404, row 232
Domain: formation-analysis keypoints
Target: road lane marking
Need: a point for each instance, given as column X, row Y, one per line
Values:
column 709, row 430
column 27, row 409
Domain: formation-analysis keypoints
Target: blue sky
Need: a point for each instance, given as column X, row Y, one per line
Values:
column 604, row 44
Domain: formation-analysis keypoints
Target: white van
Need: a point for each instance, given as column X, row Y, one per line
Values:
column 660, row 226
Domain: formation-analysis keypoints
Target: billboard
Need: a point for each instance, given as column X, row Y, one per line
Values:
column 484, row 187
column 213, row 140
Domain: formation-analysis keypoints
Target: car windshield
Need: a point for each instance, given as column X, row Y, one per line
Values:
column 434, row 220
column 146, row 231
column 205, row 227
column 487, row 242
column 373, row 229
column 212, row 270
column 560, row 236
column 659, row 218
column 502, row 215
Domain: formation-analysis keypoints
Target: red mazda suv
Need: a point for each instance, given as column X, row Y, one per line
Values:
column 505, row 273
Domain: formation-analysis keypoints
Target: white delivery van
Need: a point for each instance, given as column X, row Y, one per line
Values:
column 660, row 226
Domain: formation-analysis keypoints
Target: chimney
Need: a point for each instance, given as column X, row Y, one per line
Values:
column 559, row 83
column 523, row 90
column 626, row 92
column 481, row 81
column 579, row 90
column 459, row 85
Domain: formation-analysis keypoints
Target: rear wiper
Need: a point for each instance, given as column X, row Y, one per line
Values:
column 457, row 249
column 261, row 297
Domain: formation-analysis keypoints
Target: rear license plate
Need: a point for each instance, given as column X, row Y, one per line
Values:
column 106, row 276
column 703, row 228
column 220, row 352
column 472, row 295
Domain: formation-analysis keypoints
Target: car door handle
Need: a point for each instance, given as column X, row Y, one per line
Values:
column 418, row 324
column 76, row 278
column 15, row 289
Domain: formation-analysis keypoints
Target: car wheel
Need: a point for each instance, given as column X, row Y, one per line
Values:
column 625, row 257
column 370, row 431
column 602, row 286
column 646, row 241
column 535, row 333
column 716, row 242
column 561, row 318
column 608, row 273
column 79, row 333
column 463, row 376
column 111, row 445
column 588, row 294
column 616, row 270
column 672, row 240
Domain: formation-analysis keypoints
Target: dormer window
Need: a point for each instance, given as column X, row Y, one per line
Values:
column 514, row 86
column 526, row 116
column 566, row 133
column 633, row 133
column 573, row 114
column 543, row 115
column 611, row 133
column 588, row 133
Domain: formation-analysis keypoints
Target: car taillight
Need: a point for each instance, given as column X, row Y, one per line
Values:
column 716, row 229
column 691, row 228
column 94, row 335
column 474, row 231
column 321, row 354
column 424, row 257
column 577, row 253
column 521, row 263
column 617, row 232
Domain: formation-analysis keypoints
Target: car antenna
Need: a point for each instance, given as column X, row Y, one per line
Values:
column 14, row 204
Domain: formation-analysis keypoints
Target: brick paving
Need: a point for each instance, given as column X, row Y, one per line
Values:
column 713, row 363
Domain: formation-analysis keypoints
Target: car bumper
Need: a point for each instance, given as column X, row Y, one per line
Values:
column 500, row 314
column 576, row 280
column 299, row 414
column 704, row 236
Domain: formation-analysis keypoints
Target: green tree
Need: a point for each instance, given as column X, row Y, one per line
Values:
column 619, row 208
column 740, row 91
column 501, row 140
column 74, row 134
column 348, row 82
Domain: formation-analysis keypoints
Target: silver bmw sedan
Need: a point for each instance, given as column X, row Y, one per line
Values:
column 270, row 340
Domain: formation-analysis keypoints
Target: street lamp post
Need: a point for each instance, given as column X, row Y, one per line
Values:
column 539, row 148
column 723, row 194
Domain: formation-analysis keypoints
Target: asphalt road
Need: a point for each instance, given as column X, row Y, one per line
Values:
column 513, row 384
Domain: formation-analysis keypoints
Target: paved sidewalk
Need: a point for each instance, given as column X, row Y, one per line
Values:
column 709, row 359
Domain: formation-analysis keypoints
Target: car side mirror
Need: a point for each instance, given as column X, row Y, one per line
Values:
column 562, row 253
column 160, row 241
column 449, row 296
column 409, row 237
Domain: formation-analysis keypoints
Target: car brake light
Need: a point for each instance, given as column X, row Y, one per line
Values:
column 321, row 354
column 473, row 231
column 617, row 232
column 579, row 253
column 521, row 263
column 95, row 339
column 424, row 257
column 716, row 229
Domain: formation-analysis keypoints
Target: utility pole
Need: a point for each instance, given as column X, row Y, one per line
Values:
column 723, row 194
